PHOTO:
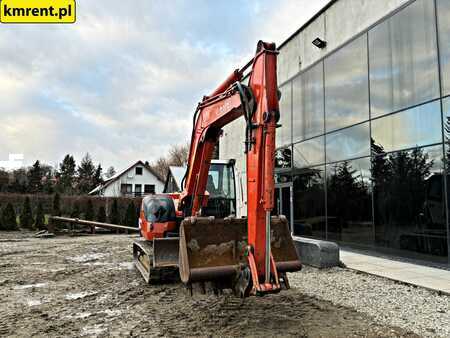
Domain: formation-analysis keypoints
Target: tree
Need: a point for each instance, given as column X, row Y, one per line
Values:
column 66, row 175
column 177, row 156
column 20, row 181
column 75, row 213
column 35, row 178
column 130, row 216
column 86, row 171
column 101, row 214
column 26, row 217
column 39, row 220
column 110, row 172
column 9, row 218
column 56, row 209
column 4, row 180
column 114, row 215
column 89, row 213
column 98, row 179
column 48, row 181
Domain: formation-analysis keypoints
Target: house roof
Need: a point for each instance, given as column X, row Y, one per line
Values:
column 177, row 174
column 121, row 173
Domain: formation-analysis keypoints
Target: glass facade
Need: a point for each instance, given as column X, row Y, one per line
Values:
column 367, row 155
column 403, row 59
column 308, row 109
column 346, row 86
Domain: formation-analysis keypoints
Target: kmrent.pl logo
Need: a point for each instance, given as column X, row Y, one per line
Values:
column 37, row 11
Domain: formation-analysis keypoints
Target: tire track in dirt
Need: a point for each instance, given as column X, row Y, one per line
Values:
column 87, row 287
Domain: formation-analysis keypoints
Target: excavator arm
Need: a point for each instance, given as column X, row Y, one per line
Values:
column 205, row 255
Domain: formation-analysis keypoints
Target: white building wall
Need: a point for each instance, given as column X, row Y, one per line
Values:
column 338, row 24
column 113, row 190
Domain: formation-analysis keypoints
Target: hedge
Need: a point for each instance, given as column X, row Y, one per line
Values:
column 69, row 204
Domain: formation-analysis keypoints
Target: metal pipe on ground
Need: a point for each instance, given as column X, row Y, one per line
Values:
column 93, row 224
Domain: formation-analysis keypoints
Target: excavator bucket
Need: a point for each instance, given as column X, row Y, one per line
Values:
column 214, row 249
column 157, row 260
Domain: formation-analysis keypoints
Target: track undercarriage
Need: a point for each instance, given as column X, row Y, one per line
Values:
column 212, row 255
column 159, row 267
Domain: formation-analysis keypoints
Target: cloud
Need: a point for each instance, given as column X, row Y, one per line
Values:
column 123, row 82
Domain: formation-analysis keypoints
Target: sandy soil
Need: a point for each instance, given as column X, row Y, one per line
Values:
column 87, row 286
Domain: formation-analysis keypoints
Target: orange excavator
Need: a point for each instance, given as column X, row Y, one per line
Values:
column 249, row 255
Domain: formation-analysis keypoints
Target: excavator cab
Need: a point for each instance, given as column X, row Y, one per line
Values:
column 159, row 226
column 221, row 188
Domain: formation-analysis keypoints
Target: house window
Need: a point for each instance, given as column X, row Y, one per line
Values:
column 138, row 189
column 149, row 189
column 126, row 188
column 138, row 170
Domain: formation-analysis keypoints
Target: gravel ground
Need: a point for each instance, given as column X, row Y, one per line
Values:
column 87, row 286
column 413, row 308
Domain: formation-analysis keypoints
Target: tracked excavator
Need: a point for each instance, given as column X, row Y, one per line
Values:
column 249, row 255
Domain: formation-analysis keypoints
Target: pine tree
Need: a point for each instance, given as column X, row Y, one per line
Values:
column 130, row 216
column 86, row 171
column 98, row 179
column 4, row 180
column 39, row 221
column 35, row 178
column 138, row 214
column 89, row 213
column 114, row 215
column 26, row 217
column 9, row 219
column 75, row 210
column 66, row 175
column 101, row 214
column 56, row 210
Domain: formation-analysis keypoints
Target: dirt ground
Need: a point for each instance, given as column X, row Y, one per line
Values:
column 87, row 286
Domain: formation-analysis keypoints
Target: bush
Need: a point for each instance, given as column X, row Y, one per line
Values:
column 75, row 213
column 56, row 205
column 101, row 214
column 39, row 221
column 26, row 217
column 130, row 216
column 114, row 215
column 89, row 213
column 9, row 218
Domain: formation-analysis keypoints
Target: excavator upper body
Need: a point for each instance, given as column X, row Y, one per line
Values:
column 184, row 233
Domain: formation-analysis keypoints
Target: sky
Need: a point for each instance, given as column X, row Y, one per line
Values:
column 122, row 82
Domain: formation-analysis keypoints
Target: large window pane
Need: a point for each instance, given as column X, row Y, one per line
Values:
column 443, row 13
column 308, row 104
column 415, row 127
column 446, row 116
column 349, row 202
column 409, row 204
column 309, row 153
column 403, row 59
column 346, row 85
column 348, row 143
column 283, row 134
column 309, row 202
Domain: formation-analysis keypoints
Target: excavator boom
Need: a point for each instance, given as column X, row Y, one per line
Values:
column 259, row 250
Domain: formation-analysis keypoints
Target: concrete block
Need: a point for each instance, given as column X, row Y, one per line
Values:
column 317, row 253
